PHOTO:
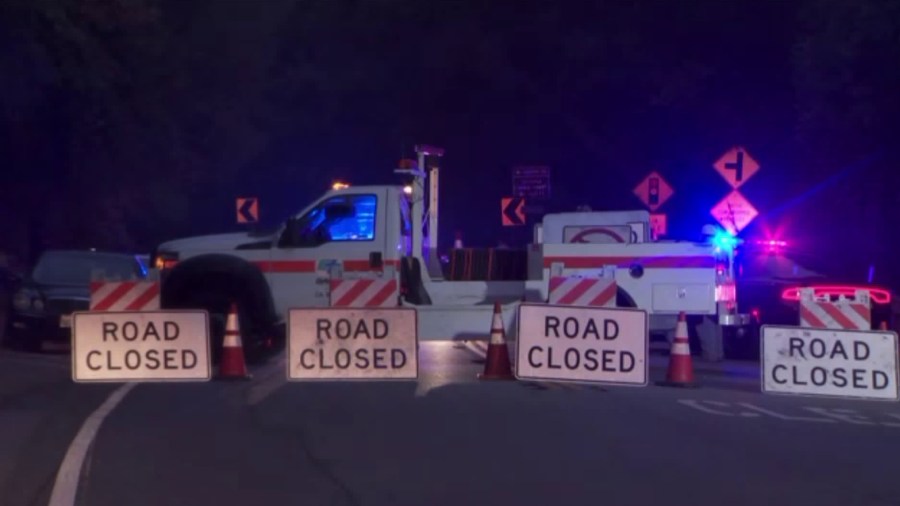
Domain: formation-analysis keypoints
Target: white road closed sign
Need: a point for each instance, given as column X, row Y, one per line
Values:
column 590, row 344
column 140, row 346
column 352, row 344
column 830, row 362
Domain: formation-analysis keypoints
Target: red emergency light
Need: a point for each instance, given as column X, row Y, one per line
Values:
column 878, row 295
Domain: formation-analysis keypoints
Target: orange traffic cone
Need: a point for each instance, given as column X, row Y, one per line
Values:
column 681, row 368
column 232, row 365
column 497, row 366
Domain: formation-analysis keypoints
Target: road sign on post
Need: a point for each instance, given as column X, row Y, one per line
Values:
column 589, row 344
column 736, row 166
column 653, row 191
column 658, row 225
column 247, row 209
column 531, row 182
column 140, row 346
column 352, row 344
column 830, row 362
column 734, row 212
column 512, row 211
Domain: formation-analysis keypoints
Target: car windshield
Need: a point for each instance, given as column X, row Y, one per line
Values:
column 75, row 268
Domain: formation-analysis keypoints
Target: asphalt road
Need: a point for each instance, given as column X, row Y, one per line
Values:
column 446, row 439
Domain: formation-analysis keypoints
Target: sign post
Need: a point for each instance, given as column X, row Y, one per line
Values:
column 352, row 344
column 586, row 344
column 140, row 346
column 830, row 363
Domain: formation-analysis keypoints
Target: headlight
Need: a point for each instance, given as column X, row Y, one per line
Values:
column 22, row 301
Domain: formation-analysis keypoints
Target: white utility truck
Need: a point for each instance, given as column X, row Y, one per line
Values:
column 377, row 245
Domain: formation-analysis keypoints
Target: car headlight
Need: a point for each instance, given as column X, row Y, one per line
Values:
column 26, row 300
column 22, row 301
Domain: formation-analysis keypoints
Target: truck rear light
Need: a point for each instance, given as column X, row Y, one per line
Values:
column 726, row 292
column 878, row 295
column 165, row 260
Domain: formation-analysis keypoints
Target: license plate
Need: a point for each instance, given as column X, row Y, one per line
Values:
column 65, row 321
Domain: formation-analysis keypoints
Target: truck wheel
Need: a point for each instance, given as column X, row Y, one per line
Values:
column 216, row 298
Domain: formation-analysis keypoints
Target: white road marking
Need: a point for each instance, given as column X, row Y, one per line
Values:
column 69, row 473
column 833, row 415
column 786, row 417
column 696, row 404
column 270, row 378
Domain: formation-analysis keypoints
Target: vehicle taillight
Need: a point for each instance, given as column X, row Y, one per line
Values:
column 165, row 260
column 726, row 292
column 878, row 295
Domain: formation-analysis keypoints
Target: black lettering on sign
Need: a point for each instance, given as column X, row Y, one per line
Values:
column 861, row 350
column 531, row 360
column 775, row 374
column 840, row 377
column 819, row 376
column 132, row 360
column 151, row 331
column 89, row 363
column 110, row 362
column 796, row 379
column 884, row 380
column 323, row 329
column 626, row 362
column 188, row 364
column 550, row 364
column 171, row 331
column 817, row 348
column 342, row 329
column 795, row 347
column 342, row 359
column 859, row 380
column 379, row 358
column 839, row 351
column 362, row 359
column 380, row 328
column 551, row 323
column 608, row 359
column 570, row 328
column 398, row 358
column 362, row 330
column 303, row 363
column 109, row 331
column 591, row 330
column 169, row 359
column 572, row 359
column 322, row 362
column 129, row 331
column 153, row 360
column 590, row 360
column 610, row 329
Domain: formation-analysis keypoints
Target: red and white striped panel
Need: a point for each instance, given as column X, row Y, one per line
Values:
column 574, row 291
column 364, row 292
column 124, row 295
column 841, row 314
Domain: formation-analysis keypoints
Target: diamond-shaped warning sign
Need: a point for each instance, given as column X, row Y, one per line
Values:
column 736, row 166
column 653, row 191
column 734, row 212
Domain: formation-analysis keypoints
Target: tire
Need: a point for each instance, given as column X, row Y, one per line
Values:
column 216, row 297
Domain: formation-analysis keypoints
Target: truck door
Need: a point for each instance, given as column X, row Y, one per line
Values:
column 337, row 235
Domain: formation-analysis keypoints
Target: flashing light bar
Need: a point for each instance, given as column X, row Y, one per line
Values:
column 878, row 295
column 339, row 185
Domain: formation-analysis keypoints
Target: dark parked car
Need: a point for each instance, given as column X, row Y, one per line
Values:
column 768, row 278
column 58, row 285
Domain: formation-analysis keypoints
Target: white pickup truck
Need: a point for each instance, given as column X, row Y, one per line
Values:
column 376, row 233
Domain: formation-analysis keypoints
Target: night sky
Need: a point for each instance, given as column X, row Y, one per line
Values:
column 126, row 123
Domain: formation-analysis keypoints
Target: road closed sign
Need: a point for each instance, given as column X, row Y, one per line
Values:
column 140, row 346
column 830, row 362
column 589, row 344
column 352, row 344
